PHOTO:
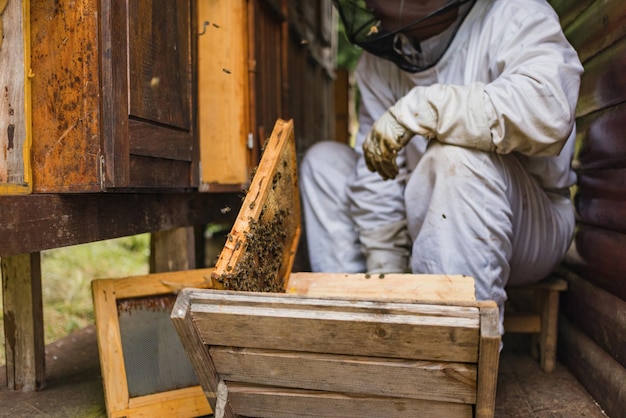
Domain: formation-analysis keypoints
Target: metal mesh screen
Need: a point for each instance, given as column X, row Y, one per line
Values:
column 154, row 357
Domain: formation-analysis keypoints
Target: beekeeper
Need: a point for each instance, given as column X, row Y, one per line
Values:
column 462, row 163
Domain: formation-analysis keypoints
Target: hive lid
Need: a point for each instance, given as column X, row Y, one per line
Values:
column 260, row 249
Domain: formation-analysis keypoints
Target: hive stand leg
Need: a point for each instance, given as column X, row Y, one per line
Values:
column 23, row 322
column 549, row 329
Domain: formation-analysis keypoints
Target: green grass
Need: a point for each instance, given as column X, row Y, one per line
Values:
column 66, row 281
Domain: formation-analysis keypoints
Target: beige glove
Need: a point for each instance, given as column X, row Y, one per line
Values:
column 382, row 144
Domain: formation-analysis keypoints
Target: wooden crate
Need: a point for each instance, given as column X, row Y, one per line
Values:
column 340, row 345
column 284, row 355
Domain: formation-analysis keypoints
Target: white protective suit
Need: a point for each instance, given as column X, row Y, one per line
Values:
column 484, row 189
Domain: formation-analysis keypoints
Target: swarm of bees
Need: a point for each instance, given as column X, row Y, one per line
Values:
column 258, row 269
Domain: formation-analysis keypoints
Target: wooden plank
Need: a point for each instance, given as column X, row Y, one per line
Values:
column 601, row 139
column 15, row 137
column 161, row 283
column 604, row 82
column 159, row 174
column 488, row 360
column 449, row 382
column 154, row 141
column 158, row 72
column 223, row 92
column 608, row 183
column 599, row 26
column 568, row 10
column 599, row 373
column 180, row 403
column 66, row 95
column 172, row 250
column 603, row 213
column 115, row 384
column 23, row 322
column 598, row 255
column 379, row 329
column 40, row 222
column 260, row 249
column 196, row 350
column 283, row 403
column 599, row 314
column 409, row 287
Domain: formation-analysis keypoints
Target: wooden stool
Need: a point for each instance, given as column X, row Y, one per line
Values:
column 542, row 322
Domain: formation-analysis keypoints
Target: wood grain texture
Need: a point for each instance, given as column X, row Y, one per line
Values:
column 23, row 322
column 380, row 329
column 14, row 98
column 103, row 72
column 599, row 314
column 65, row 96
column 598, row 255
column 197, row 352
column 408, row 287
column 223, row 92
column 603, row 213
column 601, row 139
column 609, row 183
column 39, row 222
column 604, row 82
column 569, row 10
column 255, row 401
column 449, row 382
column 599, row 373
column 488, row 360
column 597, row 27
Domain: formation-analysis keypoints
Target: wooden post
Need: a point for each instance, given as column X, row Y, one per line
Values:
column 15, row 133
column 23, row 322
column 172, row 250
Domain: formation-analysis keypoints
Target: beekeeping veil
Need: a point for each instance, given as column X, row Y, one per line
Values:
column 414, row 34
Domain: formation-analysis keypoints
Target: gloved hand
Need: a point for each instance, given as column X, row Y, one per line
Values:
column 382, row 144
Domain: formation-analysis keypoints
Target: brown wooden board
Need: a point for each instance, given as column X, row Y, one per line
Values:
column 248, row 400
column 337, row 326
column 598, row 314
column 259, row 251
column 602, row 143
column 608, row 183
column 568, row 10
column 438, row 381
column 598, row 255
column 598, row 372
column 15, row 139
column 603, row 213
column 604, row 82
column 40, row 222
column 599, row 26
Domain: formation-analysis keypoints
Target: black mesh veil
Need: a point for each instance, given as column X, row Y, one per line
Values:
column 413, row 46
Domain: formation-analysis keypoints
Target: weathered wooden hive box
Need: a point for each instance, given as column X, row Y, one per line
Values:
column 267, row 343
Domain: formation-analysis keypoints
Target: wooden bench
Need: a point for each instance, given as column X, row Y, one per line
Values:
column 287, row 355
column 540, row 319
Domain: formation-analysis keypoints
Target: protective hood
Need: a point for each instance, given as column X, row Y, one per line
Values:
column 414, row 34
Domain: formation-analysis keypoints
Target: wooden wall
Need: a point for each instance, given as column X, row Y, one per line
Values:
column 593, row 326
